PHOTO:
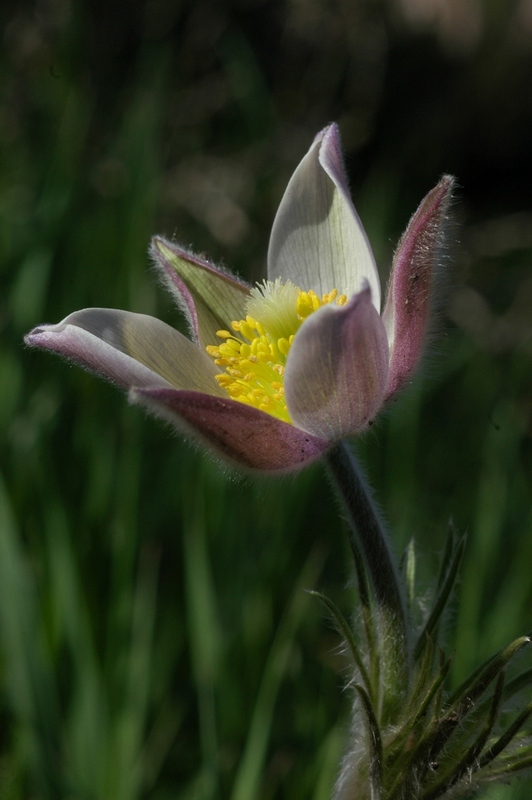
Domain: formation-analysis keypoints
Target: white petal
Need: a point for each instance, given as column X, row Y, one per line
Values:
column 209, row 297
column 317, row 240
column 129, row 349
column 337, row 369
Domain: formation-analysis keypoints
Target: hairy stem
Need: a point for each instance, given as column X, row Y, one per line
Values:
column 371, row 541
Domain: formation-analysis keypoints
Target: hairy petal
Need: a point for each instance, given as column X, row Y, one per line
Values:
column 337, row 368
column 317, row 239
column 209, row 297
column 129, row 349
column 238, row 432
column 406, row 313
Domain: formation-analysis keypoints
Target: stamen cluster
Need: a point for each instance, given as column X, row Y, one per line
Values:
column 254, row 353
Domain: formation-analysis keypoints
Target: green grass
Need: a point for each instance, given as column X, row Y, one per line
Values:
column 155, row 639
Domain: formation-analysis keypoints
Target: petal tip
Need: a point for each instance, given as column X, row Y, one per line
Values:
column 38, row 336
column 443, row 191
column 331, row 134
column 30, row 337
column 330, row 131
column 414, row 280
column 448, row 181
column 161, row 248
column 331, row 150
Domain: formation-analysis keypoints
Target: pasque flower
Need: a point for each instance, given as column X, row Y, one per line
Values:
column 272, row 376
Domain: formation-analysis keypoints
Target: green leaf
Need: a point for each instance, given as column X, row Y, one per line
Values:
column 375, row 743
column 408, row 570
column 520, row 682
column 447, row 554
column 504, row 740
column 430, row 746
column 431, row 694
column 406, row 772
column 469, row 692
column 424, row 672
column 442, row 597
column 509, row 767
column 344, row 630
column 466, row 763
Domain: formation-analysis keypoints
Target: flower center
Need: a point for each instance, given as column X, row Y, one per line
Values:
column 254, row 355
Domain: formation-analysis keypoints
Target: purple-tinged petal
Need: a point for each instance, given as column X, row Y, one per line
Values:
column 337, row 368
column 129, row 349
column 239, row 432
column 406, row 313
column 317, row 239
column 209, row 297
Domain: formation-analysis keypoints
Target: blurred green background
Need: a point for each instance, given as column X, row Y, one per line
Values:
column 155, row 639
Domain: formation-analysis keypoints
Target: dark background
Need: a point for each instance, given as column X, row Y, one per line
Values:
column 155, row 638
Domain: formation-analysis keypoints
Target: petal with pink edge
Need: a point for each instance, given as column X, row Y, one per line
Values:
column 129, row 349
column 317, row 239
column 407, row 307
column 209, row 297
column 238, row 432
column 336, row 371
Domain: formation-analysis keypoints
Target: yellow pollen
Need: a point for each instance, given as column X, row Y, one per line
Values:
column 254, row 355
column 247, row 331
column 283, row 345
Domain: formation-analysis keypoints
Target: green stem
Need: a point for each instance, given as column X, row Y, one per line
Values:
column 371, row 541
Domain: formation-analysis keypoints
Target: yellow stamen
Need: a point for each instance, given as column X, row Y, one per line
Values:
column 247, row 331
column 254, row 356
column 283, row 345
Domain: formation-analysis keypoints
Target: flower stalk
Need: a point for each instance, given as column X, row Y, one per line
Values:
column 369, row 538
